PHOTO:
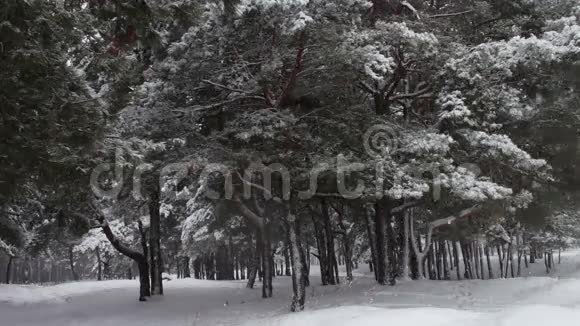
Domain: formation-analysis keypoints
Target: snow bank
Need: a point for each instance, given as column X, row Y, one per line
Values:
column 29, row 294
column 18, row 294
column 540, row 315
column 371, row 316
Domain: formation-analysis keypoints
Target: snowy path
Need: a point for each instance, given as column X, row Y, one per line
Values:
column 531, row 301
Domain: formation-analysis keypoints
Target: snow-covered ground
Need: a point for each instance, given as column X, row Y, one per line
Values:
column 530, row 301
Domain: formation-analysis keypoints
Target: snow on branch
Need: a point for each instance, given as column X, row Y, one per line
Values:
column 410, row 7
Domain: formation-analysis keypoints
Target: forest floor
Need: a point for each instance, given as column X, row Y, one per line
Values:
column 534, row 300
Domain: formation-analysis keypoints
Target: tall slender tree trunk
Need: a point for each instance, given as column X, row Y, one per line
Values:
column 372, row 242
column 511, row 256
column 287, row 270
column 475, row 258
column 406, row 248
column 332, row 267
column 443, row 247
column 456, row 259
column 438, row 260
column 9, row 269
column 155, row 241
column 254, row 261
column 71, row 260
column 480, row 255
column 346, row 248
column 500, row 260
column 266, row 265
column 186, row 268
column 488, row 259
column 466, row 260
column 322, row 259
column 391, row 244
column 450, row 253
column 99, row 265
column 296, row 254
column 380, row 266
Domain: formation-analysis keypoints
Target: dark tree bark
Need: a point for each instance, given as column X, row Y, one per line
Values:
column 466, row 260
column 443, row 248
column 519, row 273
column 237, row 267
column 99, row 265
column 392, row 244
column 140, row 258
column 430, row 262
column 296, row 254
column 71, row 260
column 511, row 256
column 155, row 241
column 266, row 265
column 186, row 269
column 372, row 243
column 438, row 260
column 474, row 258
column 322, row 259
column 287, row 270
column 450, row 253
column 332, row 268
column 9, row 269
column 346, row 247
column 489, row 267
column 305, row 264
column 380, row 266
column 480, row 255
column 254, row 263
column 456, row 259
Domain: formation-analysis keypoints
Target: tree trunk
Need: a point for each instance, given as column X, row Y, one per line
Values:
column 480, row 255
column 254, row 262
column 346, row 248
column 391, row 244
column 144, row 285
column 443, row 247
column 186, row 268
column 456, row 259
column 511, row 256
column 99, row 266
column 321, row 246
column 266, row 265
column 406, row 249
column 372, row 241
column 9, row 269
column 466, row 260
column 305, row 263
column 155, row 242
column 330, row 253
column 296, row 254
column 438, row 260
column 500, row 260
column 287, row 270
column 380, row 265
column 71, row 260
column 489, row 267
column 475, row 259
column 138, row 257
